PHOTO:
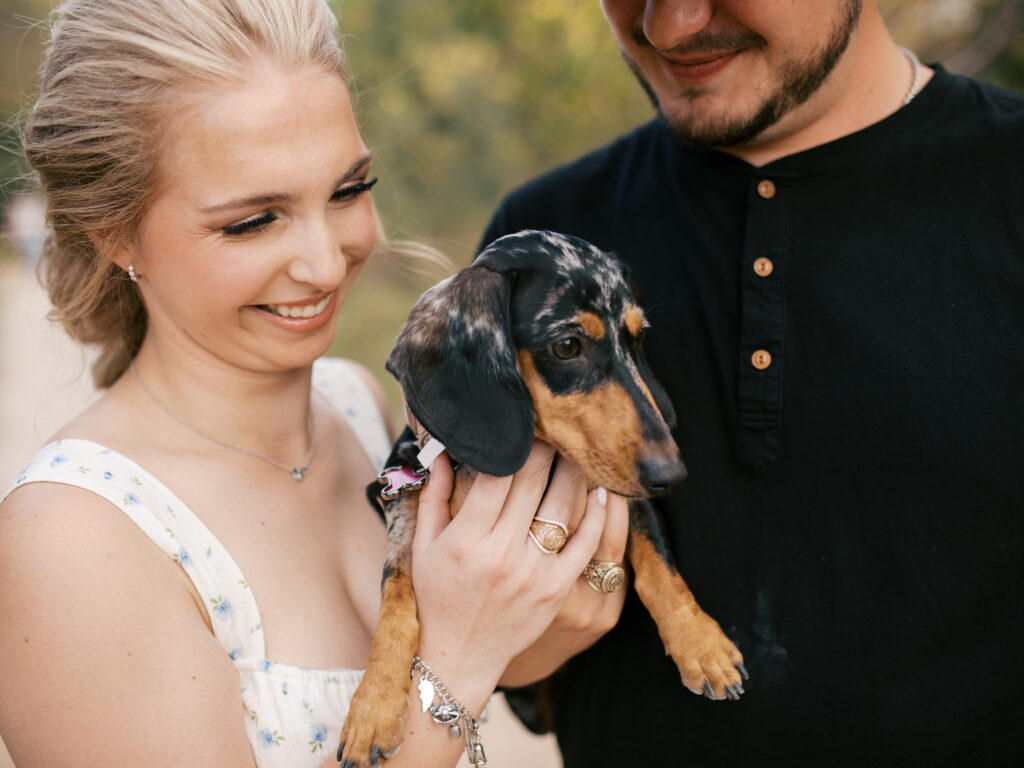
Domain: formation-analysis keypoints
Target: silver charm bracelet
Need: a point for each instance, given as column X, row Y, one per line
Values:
column 449, row 711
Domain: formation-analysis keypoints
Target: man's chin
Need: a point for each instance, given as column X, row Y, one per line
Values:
column 721, row 133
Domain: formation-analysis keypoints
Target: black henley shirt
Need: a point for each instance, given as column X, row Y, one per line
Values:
column 841, row 334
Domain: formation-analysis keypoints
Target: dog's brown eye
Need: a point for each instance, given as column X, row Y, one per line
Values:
column 566, row 348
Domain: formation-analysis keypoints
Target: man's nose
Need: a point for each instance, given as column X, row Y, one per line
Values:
column 667, row 23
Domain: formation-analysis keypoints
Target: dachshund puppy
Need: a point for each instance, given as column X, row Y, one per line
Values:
column 539, row 337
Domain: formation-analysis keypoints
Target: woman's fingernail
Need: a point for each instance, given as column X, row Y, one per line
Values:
column 602, row 496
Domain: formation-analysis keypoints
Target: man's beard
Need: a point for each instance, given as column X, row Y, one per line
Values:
column 800, row 80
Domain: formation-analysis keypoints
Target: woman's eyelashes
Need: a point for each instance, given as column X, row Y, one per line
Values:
column 251, row 225
column 261, row 221
column 354, row 190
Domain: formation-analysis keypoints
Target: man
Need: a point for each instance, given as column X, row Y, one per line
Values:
column 829, row 238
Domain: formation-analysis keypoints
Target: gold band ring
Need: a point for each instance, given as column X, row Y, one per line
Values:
column 549, row 535
column 604, row 576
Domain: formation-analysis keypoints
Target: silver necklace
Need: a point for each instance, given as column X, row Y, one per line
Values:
column 915, row 83
column 297, row 473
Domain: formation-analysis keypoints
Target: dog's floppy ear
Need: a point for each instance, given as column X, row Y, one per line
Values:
column 457, row 367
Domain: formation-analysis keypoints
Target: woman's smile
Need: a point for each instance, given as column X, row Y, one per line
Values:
column 300, row 316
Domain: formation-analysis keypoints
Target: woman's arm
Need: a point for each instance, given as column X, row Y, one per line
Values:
column 107, row 658
column 484, row 591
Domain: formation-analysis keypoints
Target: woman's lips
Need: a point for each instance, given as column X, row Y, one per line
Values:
column 297, row 315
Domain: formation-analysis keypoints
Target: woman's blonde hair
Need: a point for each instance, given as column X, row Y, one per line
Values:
column 114, row 73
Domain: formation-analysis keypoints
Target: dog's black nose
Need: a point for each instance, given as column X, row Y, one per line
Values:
column 660, row 473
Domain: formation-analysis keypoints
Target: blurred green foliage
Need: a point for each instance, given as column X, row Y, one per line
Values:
column 463, row 99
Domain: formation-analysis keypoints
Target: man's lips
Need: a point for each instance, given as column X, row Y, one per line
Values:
column 698, row 68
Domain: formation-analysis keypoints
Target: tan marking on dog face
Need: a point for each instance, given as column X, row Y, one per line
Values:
column 647, row 394
column 591, row 324
column 633, row 319
column 599, row 430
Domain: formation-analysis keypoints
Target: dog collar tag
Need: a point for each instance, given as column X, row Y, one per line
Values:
column 399, row 480
column 431, row 451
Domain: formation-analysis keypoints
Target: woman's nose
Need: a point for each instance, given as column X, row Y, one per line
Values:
column 319, row 259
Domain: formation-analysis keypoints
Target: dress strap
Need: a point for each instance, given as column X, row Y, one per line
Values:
column 339, row 381
column 171, row 525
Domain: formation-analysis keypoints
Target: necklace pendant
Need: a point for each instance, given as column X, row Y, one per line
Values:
column 299, row 473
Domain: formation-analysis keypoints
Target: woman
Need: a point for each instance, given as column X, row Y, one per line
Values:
column 209, row 192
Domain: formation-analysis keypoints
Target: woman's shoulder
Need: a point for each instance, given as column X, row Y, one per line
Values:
column 63, row 545
column 53, row 522
column 95, row 619
column 50, row 513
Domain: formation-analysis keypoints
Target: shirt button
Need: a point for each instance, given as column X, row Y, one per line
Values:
column 763, row 267
column 761, row 359
column 766, row 189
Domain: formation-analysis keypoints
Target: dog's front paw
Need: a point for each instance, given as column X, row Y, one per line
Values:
column 709, row 663
column 373, row 728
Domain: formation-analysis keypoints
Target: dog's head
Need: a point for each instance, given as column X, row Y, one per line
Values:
column 540, row 335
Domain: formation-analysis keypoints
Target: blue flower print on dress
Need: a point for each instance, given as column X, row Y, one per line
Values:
column 267, row 739
column 107, row 475
column 318, row 734
column 183, row 558
column 130, row 499
column 221, row 607
column 57, row 459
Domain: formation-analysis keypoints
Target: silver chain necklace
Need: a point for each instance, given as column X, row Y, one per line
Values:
column 297, row 473
column 915, row 83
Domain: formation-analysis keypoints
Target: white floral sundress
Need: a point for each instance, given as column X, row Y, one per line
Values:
column 292, row 715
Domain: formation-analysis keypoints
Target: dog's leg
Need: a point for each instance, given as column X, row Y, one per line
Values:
column 376, row 716
column 708, row 661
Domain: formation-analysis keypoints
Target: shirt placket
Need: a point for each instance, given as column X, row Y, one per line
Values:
column 762, row 325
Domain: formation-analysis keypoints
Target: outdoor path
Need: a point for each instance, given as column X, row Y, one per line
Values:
column 44, row 380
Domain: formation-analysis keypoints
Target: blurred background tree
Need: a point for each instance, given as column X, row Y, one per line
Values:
column 463, row 99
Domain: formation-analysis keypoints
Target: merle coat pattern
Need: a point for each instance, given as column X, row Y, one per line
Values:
column 541, row 336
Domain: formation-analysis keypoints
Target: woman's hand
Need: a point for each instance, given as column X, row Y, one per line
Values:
column 485, row 592
column 586, row 614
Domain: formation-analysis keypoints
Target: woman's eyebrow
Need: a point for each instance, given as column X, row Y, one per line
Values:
column 283, row 197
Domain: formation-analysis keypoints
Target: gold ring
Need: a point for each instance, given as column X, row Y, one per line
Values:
column 549, row 535
column 604, row 576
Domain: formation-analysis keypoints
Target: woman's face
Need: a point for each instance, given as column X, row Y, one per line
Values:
column 261, row 223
